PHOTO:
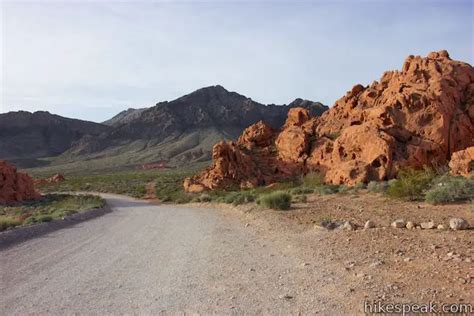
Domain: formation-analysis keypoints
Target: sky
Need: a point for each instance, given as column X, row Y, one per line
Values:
column 93, row 59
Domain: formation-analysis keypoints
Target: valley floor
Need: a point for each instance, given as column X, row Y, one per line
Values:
column 145, row 258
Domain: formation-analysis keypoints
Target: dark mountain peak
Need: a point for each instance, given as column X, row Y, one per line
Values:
column 216, row 88
column 315, row 108
column 209, row 92
column 124, row 117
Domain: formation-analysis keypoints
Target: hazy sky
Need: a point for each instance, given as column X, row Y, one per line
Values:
column 91, row 60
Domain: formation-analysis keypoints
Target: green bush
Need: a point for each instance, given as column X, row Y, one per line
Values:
column 238, row 197
column 44, row 218
column 410, row 184
column 6, row 222
column 299, row 198
column 278, row 200
column 360, row 186
column 205, row 198
column 447, row 189
column 377, row 186
column 301, row 190
column 327, row 189
column 342, row 189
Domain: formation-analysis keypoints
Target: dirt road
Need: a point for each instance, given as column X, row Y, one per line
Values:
column 143, row 258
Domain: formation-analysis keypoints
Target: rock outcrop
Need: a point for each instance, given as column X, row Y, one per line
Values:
column 58, row 177
column 462, row 162
column 415, row 117
column 15, row 186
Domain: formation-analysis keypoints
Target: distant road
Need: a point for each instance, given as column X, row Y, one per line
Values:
column 143, row 258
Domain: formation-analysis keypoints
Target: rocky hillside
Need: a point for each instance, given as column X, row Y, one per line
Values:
column 415, row 117
column 180, row 131
column 124, row 117
column 25, row 136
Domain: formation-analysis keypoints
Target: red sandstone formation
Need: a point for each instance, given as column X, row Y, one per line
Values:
column 462, row 162
column 15, row 186
column 415, row 117
column 58, row 177
column 157, row 165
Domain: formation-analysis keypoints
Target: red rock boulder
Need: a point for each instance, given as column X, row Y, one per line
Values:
column 15, row 186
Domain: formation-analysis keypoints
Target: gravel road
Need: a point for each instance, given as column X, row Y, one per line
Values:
column 143, row 258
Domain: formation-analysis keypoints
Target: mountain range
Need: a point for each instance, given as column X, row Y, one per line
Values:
column 179, row 132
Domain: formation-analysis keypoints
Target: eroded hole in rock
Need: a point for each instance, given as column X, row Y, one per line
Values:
column 342, row 152
column 372, row 94
column 356, row 123
column 377, row 163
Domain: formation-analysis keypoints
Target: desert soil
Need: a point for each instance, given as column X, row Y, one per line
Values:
column 145, row 258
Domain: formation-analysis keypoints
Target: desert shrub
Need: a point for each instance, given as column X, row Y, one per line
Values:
column 278, row 200
column 343, row 188
column 6, row 222
column 410, row 184
column 313, row 179
column 229, row 198
column 299, row 198
column 447, row 189
column 360, row 186
column 44, row 218
column 350, row 189
column 327, row 189
column 30, row 220
column 239, row 197
column 204, row 197
column 301, row 190
column 377, row 186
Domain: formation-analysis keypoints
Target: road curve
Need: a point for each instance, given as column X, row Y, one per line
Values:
column 149, row 259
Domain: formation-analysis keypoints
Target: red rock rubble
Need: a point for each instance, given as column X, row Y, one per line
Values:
column 58, row 177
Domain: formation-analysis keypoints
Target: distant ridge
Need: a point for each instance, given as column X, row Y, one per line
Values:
column 181, row 131
column 25, row 136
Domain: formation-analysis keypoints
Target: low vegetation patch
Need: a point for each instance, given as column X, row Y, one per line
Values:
column 52, row 206
column 446, row 189
column 411, row 184
column 278, row 200
column 169, row 184
column 377, row 186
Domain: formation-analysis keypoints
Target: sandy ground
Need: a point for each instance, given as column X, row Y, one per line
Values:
column 383, row 264
column 145, row 258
